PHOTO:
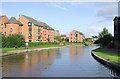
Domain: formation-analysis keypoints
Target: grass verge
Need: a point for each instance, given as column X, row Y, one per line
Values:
column 38, row 46
column 110, row 56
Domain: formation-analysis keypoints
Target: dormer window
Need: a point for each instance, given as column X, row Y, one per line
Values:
column 29, row 24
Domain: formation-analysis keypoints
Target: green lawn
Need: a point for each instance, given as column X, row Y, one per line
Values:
column 23, row 48
column 113, row 57
column 40, row 46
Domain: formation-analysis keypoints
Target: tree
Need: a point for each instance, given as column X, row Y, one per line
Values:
column 103, row 33
column 48, row 40
column 15, row 40
column 58, row 38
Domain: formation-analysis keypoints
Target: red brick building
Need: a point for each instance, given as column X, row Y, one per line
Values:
column 31, row 29
column 76, row 36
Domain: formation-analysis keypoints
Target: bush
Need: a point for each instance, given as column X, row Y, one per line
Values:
column 105, row 41
column 15, row 40
column 30, row 44
column 3, row 41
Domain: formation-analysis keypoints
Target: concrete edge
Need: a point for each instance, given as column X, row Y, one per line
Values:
column 106, row 62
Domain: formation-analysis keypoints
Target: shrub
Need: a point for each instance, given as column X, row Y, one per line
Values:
column 30, row 44
column 106, row 39
column 15, row 40
column 3, row 40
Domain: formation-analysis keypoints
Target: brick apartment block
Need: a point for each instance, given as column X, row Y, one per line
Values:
column 76, row 36
column 31, row 29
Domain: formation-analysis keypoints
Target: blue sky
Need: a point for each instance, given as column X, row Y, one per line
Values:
column 89, row 18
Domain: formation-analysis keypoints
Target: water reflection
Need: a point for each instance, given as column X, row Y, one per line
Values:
column 27, row 62
column 64, row 62
column 75, row 51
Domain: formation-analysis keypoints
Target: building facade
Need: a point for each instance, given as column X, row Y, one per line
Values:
column 117, row 32
column 63, row 36
column 3, row 19
column 76, row 36
column 31, row 29
column 57, row 33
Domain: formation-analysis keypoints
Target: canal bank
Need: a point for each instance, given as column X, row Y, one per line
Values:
column 109, row 59
column 31, row 50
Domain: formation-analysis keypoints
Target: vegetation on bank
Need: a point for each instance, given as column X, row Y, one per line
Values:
column 105, row 39
column 15, row 40
column 33, row 45
column 110, row 56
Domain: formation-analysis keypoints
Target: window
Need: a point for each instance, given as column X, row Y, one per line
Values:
column 19, row 27
column 30, row 40
column 38, row 29
column 48, row 36
column 5, row 26
column 48, row 30
column 71, row 34
column 41, row 34
column 11, row 29
column 30, row 28
column 30, row 34
column 41, row 28
column 1, row 26
column 45, row 35
column 45, row 30
column 5, row 33
column 71, row 37
column 38, row 37
column 29, row 24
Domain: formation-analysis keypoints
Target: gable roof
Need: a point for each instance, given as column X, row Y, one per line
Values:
column 38, row 23
column 34, row 21
column 79, row 32
column 14, row 21
column 2, row 16
column 63, row 35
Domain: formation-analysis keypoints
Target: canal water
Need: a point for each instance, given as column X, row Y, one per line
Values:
column 75, row 61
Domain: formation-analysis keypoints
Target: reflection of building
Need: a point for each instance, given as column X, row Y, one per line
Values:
column 75, row 51
column 76, row 36
column 63, row 36
column 117, row 32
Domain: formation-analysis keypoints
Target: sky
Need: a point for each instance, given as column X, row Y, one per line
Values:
column 87, row 17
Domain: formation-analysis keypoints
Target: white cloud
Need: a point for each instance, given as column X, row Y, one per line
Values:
column 94, row 30
column 56, row 5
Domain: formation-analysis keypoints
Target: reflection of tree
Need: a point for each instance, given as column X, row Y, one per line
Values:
column 13, row 59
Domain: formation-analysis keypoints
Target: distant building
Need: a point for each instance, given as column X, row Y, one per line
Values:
column 76, row 36
column 57, row 33
column 63, row 36
column 117, row 32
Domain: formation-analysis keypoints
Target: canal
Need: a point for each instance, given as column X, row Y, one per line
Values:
column 74, row 61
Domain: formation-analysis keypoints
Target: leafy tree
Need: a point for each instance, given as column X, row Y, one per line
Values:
column 103, row 33
column 15, row 40
column 48, row 39
column 3, row 40
column 67, row 39
column 58, row 38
